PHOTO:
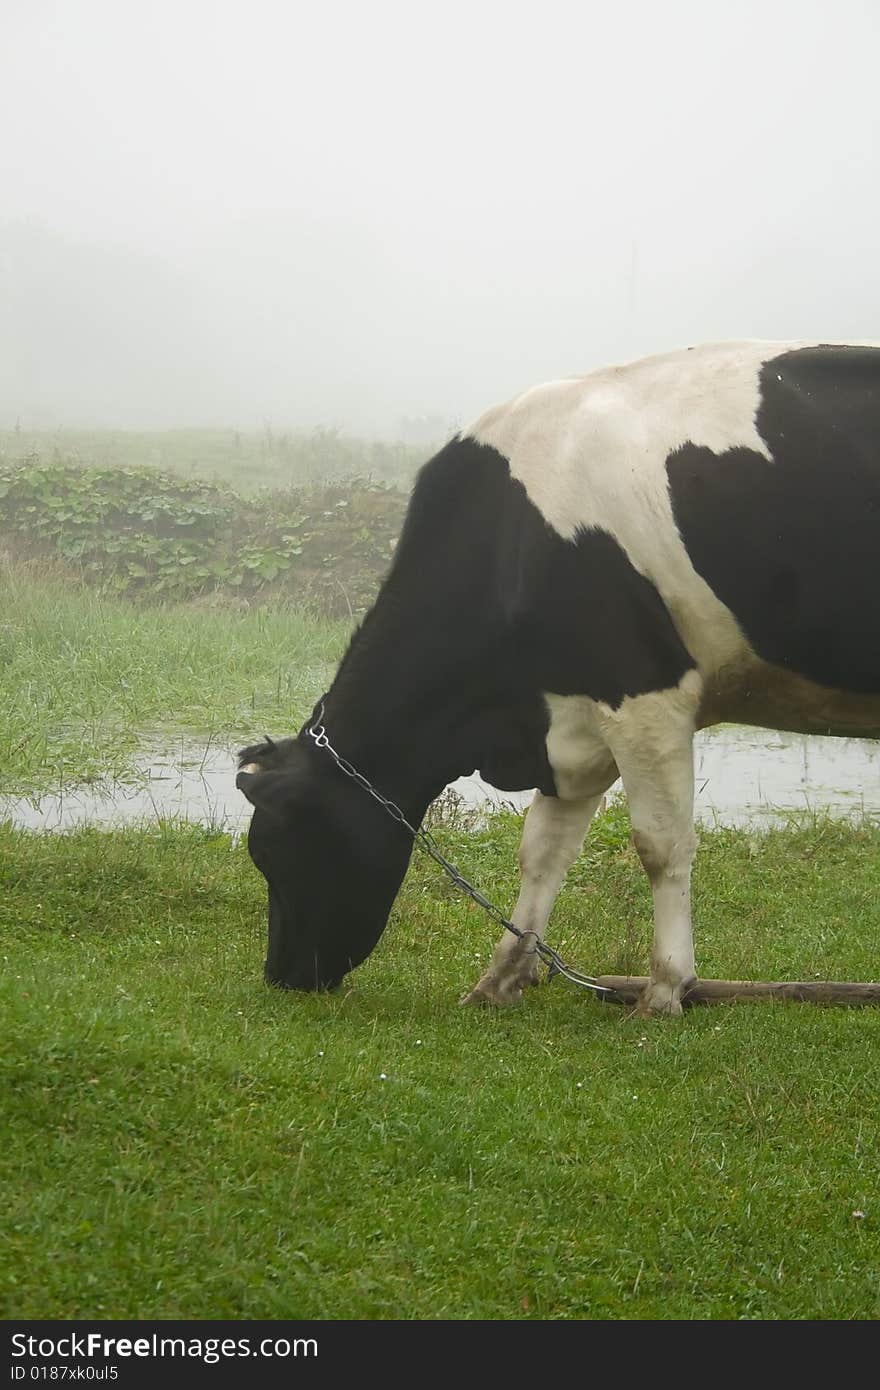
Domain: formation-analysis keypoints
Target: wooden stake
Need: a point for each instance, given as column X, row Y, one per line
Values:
column 626, row 989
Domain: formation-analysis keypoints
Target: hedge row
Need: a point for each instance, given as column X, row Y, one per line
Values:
column 154, row 536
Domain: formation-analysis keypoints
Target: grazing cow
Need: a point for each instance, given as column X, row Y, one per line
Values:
column 585, row 577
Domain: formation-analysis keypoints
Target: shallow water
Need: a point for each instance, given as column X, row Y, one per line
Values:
column 743, row 777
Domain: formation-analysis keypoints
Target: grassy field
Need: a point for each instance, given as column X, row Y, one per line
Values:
column 181, row 1141
column 246, row 460
column 84, row 679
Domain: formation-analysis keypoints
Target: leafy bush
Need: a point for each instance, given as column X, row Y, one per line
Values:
column 148, row 534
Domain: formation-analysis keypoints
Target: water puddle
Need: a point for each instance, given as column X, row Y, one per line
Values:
column 743, row 777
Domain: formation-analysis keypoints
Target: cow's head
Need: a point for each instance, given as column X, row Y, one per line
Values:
column 332, row 857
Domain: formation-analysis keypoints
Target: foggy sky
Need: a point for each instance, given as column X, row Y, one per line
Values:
column 303, row 214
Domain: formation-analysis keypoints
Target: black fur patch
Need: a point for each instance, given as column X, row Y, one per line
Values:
column 485, row 609
column 792, row 546
column 577, row 617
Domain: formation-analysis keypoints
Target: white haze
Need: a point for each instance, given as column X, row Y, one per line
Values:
column 303, row 214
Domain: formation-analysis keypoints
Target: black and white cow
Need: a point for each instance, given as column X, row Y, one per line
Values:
column 585, row 577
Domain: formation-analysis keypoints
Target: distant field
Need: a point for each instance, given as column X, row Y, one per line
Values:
column 247, row 461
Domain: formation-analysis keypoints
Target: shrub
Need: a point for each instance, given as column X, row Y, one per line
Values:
column 155, row 536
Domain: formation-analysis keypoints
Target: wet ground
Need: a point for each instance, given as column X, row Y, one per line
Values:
column 743, row 777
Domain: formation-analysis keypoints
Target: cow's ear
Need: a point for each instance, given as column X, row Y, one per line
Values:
column 275, row 792
column 264, row 755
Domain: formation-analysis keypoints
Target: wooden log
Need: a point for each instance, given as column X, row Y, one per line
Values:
column 626, row 989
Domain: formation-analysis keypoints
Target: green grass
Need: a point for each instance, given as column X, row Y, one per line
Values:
column 181, row 1141
column 83, row 679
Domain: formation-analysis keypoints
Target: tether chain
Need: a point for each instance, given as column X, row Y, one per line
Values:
column 554, row 962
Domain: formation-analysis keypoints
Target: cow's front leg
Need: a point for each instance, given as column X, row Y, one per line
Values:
column 552, row 839
column 658, row 776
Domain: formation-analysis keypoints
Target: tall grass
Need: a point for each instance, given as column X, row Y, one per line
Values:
column 82, row 678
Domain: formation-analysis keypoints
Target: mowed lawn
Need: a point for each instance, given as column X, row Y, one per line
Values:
column 181, row 1141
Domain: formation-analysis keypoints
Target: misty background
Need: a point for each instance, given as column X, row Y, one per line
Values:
column 385, row 217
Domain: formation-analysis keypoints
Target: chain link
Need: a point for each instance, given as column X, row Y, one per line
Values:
column 424, row 838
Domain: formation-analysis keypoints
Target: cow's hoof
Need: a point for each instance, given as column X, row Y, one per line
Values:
column 499, row 993
column 659, row 997
column 505, row 980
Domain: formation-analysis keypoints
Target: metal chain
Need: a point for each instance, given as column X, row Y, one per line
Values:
column 424, row 838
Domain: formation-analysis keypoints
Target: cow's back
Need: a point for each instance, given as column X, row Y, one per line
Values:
column 741, row 479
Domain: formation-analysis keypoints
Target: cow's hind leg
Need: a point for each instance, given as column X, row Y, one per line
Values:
column 653, row 746
column 552, row 839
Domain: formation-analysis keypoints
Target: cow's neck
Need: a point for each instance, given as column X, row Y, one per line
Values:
column 410, row 698
column 433, row 679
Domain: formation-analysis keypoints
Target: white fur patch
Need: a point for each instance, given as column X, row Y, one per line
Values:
column 649, row 739
column 591, row 453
